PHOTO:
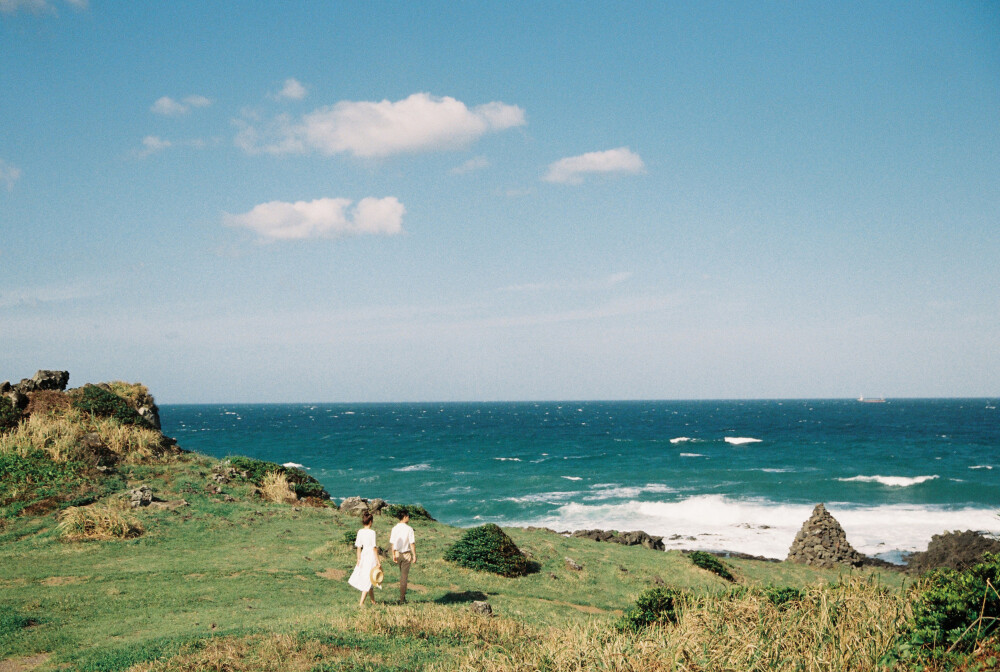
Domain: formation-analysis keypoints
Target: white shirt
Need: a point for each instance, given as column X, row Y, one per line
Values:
column 401, row 538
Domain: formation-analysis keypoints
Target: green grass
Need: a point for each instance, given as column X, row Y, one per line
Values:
column 215, row 573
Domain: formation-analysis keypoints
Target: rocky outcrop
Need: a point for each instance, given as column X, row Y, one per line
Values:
column 358, row 505
column 636, row 538
column 823, row 543
column 955, row 550
column 42, row 380
column 141, row 496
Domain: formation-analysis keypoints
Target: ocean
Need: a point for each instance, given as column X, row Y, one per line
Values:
column 713, row 475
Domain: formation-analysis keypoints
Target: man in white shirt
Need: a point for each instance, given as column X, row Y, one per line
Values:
column 404, row 550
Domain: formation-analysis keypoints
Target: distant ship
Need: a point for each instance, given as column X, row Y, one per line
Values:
column 871, row 400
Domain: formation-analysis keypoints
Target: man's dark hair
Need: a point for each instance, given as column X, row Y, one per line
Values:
column 403, row 513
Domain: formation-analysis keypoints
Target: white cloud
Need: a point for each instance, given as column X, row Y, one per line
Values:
column 322, row 218
column 475, row 163
column 9, row 174
column 293, row 90
column 421, row 122
column 170, row 107
column 572, row 169
column 152, row 144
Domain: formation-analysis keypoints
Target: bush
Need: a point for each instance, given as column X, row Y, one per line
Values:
column 488, row 549
column 350, row 536
column 958, row 608
column 657, row 605
column 415, row 511
column 10, row 414
column 712, row 564
column 782, row 596
column 103, row 403
column 301, row 483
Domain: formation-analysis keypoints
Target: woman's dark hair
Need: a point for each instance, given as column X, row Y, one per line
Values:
column 366, row 518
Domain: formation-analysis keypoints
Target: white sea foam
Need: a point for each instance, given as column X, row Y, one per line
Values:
column 891, row 481
column 692, row 455
column 681, row 439
column 507, row 459
column 415, row 467
column 740, row 440
column 294, row 465
column 982, row 466
column 761, row 527
column 543, row 497
column 573, row 478
column 616, row 491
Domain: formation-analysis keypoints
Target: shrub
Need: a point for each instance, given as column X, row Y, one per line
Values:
column 657, row 605
column 958, row 608
column 103, row 403
column 274, row 488
column 415, row 511
column 712, row 564
column 301, row 483
column 109, row 519
column 10, row 414
column 488, row 549
column 136, row 394
column 782, row 596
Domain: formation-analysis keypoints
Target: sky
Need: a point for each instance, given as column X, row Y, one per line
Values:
column 440, row 201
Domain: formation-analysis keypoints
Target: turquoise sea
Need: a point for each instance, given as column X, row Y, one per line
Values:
column 716, row 475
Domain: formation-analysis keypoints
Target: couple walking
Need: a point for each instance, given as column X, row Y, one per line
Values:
column 368, row 570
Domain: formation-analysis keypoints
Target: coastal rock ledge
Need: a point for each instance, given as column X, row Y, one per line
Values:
column 822, row 542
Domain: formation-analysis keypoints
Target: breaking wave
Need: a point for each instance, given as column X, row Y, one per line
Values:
column 891, row 481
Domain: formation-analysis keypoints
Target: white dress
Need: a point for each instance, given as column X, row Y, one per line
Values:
column 361, row 576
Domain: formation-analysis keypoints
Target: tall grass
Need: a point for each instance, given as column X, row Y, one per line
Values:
column 59, row 436
column 851, row 626
column 255, row 653
column 440, row 624
column 130, row 442
column 275, row 488
column 107, row 519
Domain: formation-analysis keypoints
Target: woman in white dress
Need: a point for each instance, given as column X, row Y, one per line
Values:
column 368, row 559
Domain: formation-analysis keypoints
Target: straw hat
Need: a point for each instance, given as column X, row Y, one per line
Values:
column 376, row 576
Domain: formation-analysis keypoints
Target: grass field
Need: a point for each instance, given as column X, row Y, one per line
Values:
column 215, row 576
column 270, row 580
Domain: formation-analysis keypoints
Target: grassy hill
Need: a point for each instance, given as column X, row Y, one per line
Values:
column 215, row 576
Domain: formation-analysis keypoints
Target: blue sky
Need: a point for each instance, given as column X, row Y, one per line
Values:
column 381, row 201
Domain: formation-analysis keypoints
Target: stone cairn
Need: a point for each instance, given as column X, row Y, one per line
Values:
column 822, row 543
